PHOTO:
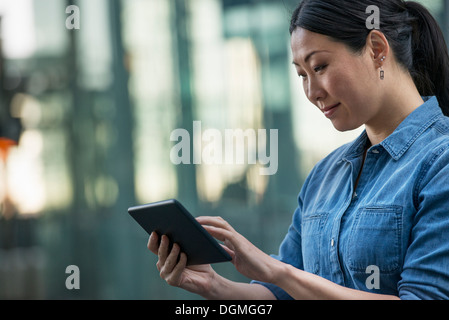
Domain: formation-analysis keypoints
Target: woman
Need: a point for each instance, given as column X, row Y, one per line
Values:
column 373, row 217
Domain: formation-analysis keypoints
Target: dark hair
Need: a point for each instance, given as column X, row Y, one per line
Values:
column 413, row 34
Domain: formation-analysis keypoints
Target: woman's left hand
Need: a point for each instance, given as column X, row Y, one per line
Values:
column 247, row 259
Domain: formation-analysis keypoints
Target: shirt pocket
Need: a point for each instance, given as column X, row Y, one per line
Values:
column 311, row 239
column 375, row 239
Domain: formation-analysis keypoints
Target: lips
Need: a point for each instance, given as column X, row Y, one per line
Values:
column 326, row 109
column 329, row 111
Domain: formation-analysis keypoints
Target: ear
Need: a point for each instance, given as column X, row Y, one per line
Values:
column 378, row 47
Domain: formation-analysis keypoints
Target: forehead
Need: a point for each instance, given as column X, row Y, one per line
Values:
column 304, row 41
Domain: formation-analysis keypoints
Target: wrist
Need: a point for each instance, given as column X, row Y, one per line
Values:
column 280, row 272
column 217, row 288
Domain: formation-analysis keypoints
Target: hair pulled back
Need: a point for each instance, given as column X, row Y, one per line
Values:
column 413, row 34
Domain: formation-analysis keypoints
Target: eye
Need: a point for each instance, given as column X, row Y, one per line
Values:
column 320, row 68
column 301, row 75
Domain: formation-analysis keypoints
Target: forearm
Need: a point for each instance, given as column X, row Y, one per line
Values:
column 302, row 285
column 224, row 289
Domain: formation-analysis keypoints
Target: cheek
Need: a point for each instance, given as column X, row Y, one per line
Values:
column 340, row 86
column 350, row 89
column 350, row 85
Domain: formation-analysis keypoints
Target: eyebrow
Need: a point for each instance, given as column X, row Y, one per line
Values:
column 309, row 56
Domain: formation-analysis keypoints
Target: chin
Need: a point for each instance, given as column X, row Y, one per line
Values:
column 344, row 126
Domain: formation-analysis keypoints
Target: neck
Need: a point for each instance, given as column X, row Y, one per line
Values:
column 396, row 106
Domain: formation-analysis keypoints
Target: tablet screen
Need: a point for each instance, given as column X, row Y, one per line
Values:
column 170, row 218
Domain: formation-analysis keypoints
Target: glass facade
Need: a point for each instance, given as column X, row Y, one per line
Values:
column 92, row 92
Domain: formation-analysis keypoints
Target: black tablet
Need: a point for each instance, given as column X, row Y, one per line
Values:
column 170, row 218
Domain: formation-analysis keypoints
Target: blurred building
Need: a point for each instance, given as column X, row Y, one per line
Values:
column 86, row 116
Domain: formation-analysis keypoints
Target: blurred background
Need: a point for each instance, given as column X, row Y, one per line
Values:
column 85, row 121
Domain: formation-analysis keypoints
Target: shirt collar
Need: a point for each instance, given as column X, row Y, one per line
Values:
column 412, row 127
column 405, row 134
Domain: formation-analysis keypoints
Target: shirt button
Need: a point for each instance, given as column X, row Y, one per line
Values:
column 375, row 151
column 332, row 242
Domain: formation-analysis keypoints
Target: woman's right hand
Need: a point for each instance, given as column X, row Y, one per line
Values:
column 172, row 267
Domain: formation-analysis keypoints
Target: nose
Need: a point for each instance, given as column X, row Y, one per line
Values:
column 315, row 92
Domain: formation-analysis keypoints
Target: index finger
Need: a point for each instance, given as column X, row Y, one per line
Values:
column 217, row 222
column 219, row 233
column 220, row 230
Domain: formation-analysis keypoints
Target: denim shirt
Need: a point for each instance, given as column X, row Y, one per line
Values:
column 391, row 234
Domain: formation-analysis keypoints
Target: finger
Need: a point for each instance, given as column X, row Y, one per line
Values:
column 229, row 238
column 217, row 222
column 153, row 243
column 219, row 233
column 163, row 250
column 172, row 258
column 229, row 251
column 175, row 276
column 170, row 263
